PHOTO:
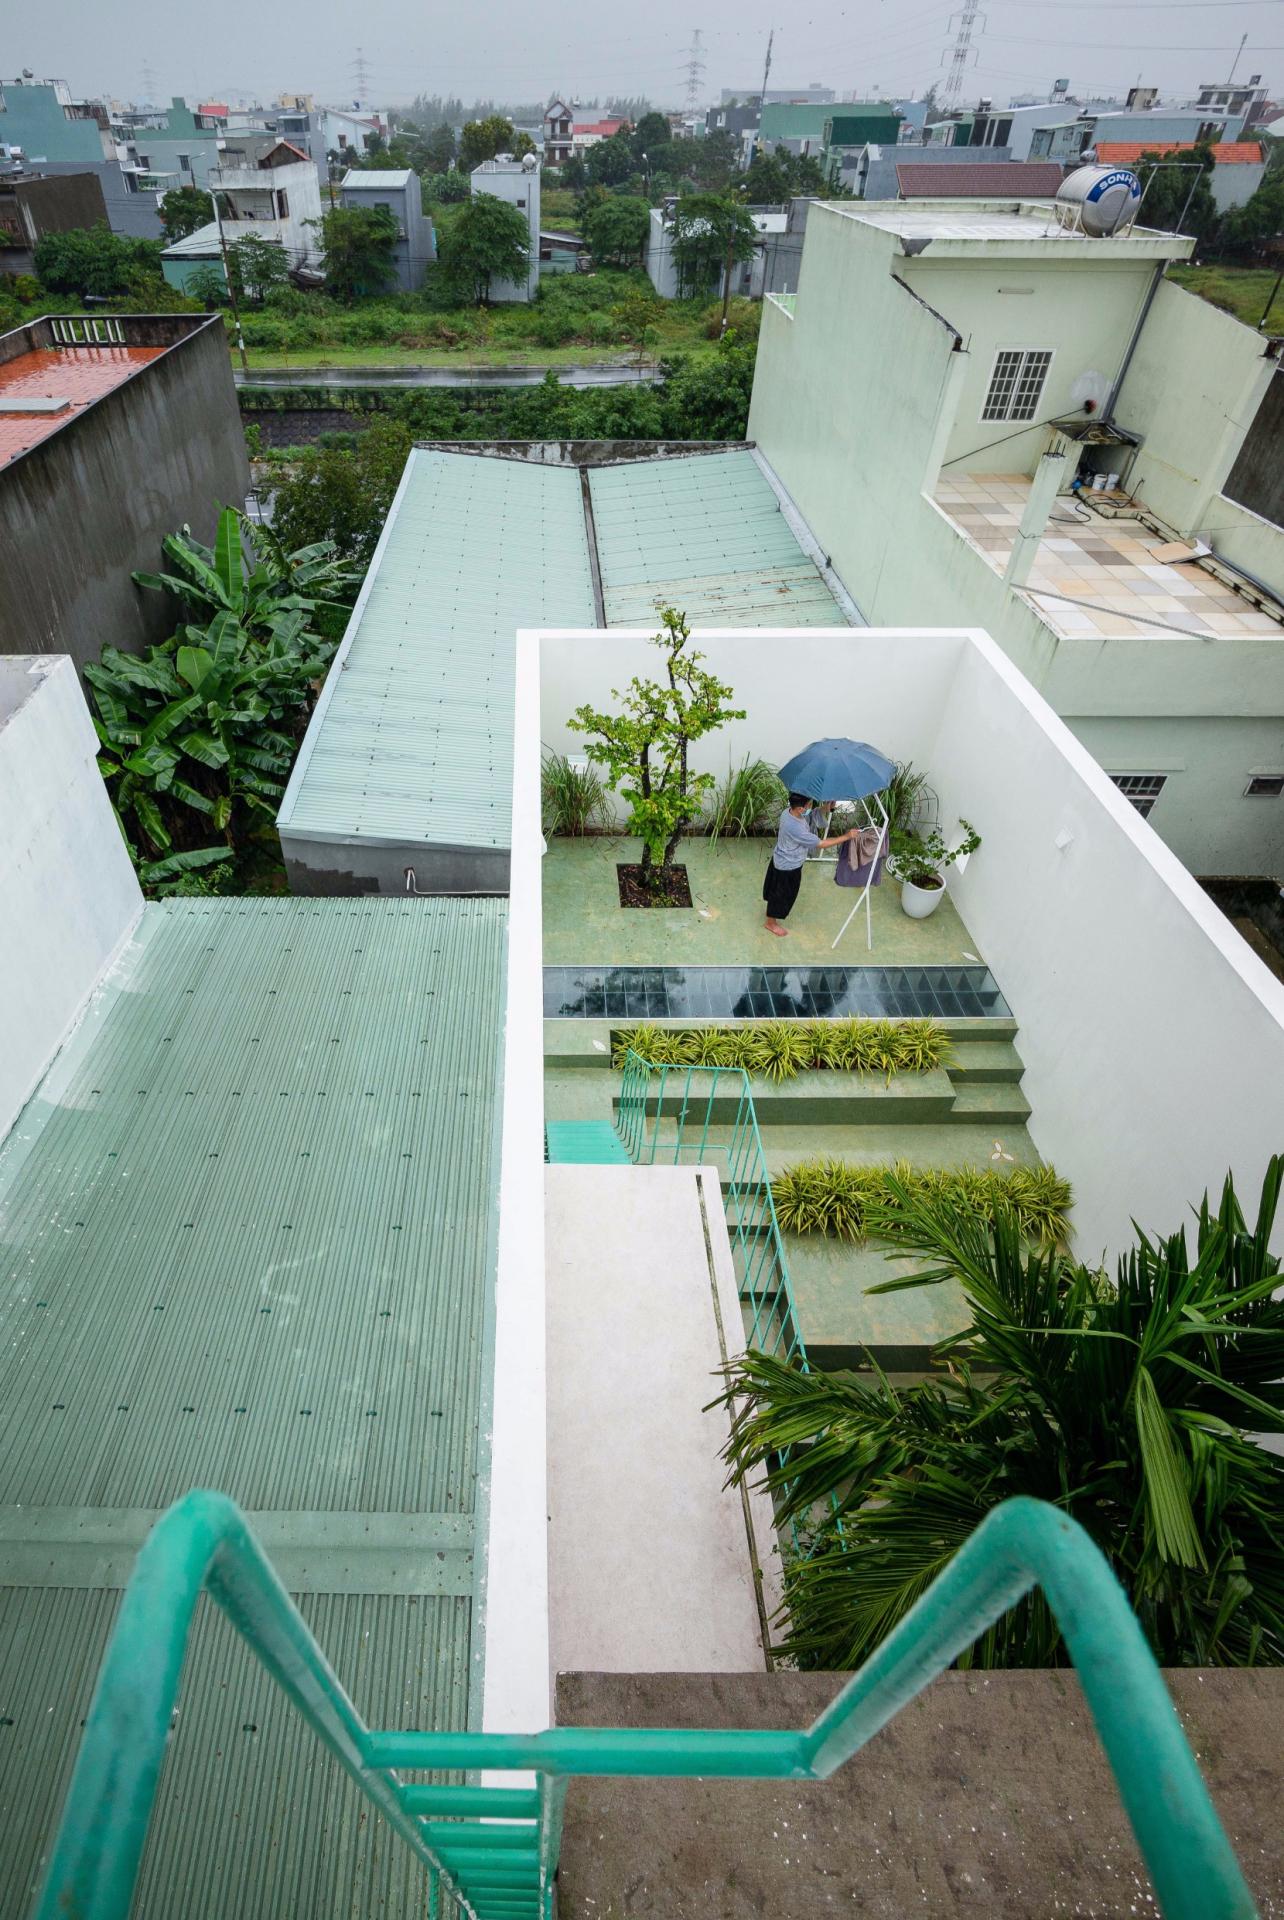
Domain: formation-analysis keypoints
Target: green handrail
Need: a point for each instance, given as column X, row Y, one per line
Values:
column 757, row 1245
column 497, row 1864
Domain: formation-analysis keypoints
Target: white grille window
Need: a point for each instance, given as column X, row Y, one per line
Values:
column 1143, row 789
column 1016, row 385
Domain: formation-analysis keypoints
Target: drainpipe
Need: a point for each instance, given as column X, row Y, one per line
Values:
column 1055, row 471
column 1147, row 303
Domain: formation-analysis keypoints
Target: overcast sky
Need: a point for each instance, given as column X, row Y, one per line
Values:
column 513, row 49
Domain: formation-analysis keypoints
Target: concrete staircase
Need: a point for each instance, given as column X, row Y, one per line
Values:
column 972, row 1113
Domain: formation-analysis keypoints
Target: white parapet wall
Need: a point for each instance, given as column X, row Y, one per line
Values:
column 1153, row 1036
column 69, row 897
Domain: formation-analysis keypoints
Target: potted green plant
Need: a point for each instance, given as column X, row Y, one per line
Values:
column 919, row 860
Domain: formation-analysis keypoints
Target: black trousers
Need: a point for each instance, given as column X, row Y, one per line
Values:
column 780, row 890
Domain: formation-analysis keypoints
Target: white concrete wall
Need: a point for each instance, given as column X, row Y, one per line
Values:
column 1153, row 1037
column 68, row 894
column 521, row 188
column 650, row 1561
column 1219, row 368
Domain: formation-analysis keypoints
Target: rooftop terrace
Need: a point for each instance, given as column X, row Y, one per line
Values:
column 1096, row 575
column 247, row 1242
column 43, row 389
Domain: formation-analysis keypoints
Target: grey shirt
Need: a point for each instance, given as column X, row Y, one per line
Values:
column 794, row 842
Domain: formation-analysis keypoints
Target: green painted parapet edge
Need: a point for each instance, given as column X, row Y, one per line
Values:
column 204, row 1543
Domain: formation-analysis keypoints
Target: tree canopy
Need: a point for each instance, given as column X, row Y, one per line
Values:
column 488, row 240
column 357, row 248
column 1166, row 181
column 95, row 262
column 707, row 227
column 610, row 163
column 184, row 209
column 483, row 139
column 343, row 495
column 616, row 230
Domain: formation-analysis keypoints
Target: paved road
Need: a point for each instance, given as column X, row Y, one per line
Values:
column 599, row 376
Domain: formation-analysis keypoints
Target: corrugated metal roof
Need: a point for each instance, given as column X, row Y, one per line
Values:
column 1126, row 153
column 706, row 534
column 246, row 1241
column 413, row 738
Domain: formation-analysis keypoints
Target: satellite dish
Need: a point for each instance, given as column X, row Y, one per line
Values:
column 1090, row 392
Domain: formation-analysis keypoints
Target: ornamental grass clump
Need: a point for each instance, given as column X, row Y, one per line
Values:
column 839, row 1200
column 780, row 1049
column 1133, row 1404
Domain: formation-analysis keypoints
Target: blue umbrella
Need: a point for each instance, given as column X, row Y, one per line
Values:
column 838, row 770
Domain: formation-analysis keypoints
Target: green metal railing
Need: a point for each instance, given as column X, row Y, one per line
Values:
column 495, row 1850
column 697, row 1115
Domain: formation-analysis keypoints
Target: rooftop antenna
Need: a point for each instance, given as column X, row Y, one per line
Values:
column 361, row 76
column 967, row 17
column 695, row 70
column 1235, row 62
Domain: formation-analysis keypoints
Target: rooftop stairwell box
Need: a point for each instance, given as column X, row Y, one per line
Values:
column 1152, row 1037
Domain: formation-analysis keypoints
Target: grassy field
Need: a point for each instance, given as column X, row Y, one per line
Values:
column 1242, row 291
column 461, row 359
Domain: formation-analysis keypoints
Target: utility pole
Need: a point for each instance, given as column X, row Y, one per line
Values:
column 726, row 271
column 231, row 284
column 762, row 96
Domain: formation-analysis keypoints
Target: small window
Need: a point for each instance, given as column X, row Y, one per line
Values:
column 1016, row 385
column 1265, row 786
column 282, row 204
column 185, row 162
column 1143, row 789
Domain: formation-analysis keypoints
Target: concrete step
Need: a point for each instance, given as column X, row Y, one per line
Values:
column 585, row 1143
column 986, row 1060
column 831, row 1099
column 993, row 1102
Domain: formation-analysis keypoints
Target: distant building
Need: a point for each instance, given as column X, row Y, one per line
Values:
column 1068, row 139
column 814, row 95
column 278, row 199
column 1014, row 180
column 113, row 432
column 751, row 278
column 559, row 120
column 168, row 147
column 870, row 172
column 31, row 207
column 737, row 120
column 399, row 191
column 1250, row 102
column 587, row 133
column 516, row 181
column 1239, row 171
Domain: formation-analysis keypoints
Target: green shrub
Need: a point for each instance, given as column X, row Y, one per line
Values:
column 572, row 799
column 836, row 1199
column 750, row 799
column 779, row 1049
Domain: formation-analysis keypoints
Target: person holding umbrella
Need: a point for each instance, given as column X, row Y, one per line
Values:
column 829, row 770
column 794, row 841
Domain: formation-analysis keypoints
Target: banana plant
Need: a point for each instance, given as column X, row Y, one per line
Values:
column 207, row 581
column 206, row 727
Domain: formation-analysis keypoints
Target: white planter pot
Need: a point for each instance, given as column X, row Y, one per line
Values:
column 919, row 902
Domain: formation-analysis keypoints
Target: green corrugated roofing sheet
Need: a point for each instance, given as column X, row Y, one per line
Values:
column 705, row 534
column 246, row 1241
column 413, row 738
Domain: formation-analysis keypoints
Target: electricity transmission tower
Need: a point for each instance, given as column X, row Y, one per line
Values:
column 361, row 76
column 695, row 70
column 963, row 52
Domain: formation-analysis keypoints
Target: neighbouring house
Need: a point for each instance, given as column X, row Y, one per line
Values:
column 1069, row 139
column 813, row 95
column 1249, row 99
column 518, row 182
column 869, row 172
column 114, row 431
column 167, row 147
column 277, row 198
column 1239, row 171
column 32, row 206
column 559, row 122
column 1074, row 454
column 49, row 133
column 852, row 128
column 398, row 190
column 587, row 133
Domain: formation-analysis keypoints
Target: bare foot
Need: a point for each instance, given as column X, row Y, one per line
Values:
column 781, row 932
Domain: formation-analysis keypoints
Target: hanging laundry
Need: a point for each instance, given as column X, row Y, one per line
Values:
column 860, row 861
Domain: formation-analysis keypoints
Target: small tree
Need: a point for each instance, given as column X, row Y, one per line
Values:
column 616, row 231
column 357, row 246
column 257, row 265
column 645, row 749
column 439, row 149
column 610, row 162
column 710, row 233
column 483, row 139
column 488, row 240
column 635, row 315
column 184, row 209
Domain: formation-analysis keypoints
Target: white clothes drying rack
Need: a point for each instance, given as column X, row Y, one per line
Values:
column 875, row 816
